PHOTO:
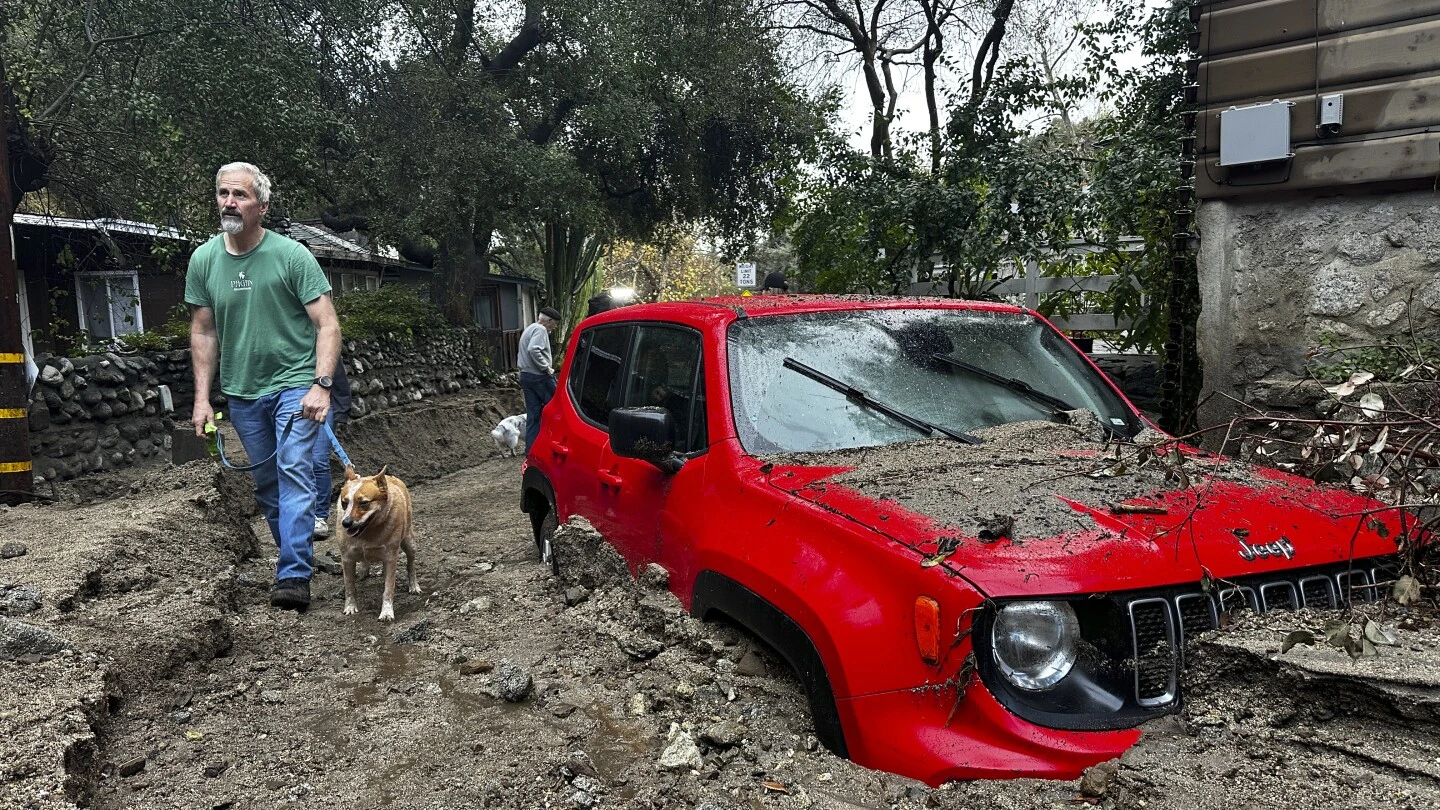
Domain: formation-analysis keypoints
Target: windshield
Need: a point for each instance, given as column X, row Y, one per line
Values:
column 898, row 356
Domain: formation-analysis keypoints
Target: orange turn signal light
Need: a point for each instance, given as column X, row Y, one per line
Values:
column 927, row 629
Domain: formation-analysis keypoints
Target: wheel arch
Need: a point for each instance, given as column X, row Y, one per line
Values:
column 537, row 496
column 717, row 593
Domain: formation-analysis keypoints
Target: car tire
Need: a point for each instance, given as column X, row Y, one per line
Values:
column 545, row 534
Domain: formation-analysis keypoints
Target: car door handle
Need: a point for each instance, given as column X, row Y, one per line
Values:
column 559, row 449
column 611, row 479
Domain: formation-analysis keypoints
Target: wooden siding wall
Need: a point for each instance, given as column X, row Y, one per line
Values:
column 1383, row 55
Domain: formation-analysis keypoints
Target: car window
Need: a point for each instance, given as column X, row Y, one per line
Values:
column 577, row 367
column 665, row 372
column 599, row 391
column 893, row 356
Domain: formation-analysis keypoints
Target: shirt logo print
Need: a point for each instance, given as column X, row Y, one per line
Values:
column 241, row 284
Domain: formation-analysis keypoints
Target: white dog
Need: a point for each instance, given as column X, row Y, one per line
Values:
column 509, row 433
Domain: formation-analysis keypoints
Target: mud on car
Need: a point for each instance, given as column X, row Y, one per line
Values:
column 978, row 557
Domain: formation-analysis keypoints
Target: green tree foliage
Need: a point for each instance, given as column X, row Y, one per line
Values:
column 131, row 105
column 446, row 127
column 1134, row 186
column 571, row 257
column 615, row 117
column 874, row 225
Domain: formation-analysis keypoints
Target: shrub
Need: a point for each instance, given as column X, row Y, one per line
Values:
column 394, row 308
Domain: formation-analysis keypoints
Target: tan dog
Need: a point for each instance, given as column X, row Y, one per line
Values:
column 375, row 515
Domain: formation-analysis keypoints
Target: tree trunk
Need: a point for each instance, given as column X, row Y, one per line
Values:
column 880, row 124
column 455, row 279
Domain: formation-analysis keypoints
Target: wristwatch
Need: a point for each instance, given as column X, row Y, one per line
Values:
column 324, row 382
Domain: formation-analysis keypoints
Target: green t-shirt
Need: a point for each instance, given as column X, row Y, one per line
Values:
column 267, row 341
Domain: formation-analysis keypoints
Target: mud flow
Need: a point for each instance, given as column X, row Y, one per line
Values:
column 142, row 667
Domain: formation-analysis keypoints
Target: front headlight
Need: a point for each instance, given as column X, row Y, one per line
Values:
column 1034, row 643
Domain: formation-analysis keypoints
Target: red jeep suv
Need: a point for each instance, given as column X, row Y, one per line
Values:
column 978, row 557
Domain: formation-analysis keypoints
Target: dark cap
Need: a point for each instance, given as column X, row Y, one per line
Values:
column 775, row 281
column 551, row 313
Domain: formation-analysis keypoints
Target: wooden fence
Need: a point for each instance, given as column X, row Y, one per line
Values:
column 1032, row 284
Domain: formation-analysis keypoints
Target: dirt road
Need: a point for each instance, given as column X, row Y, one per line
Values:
column 168, row 681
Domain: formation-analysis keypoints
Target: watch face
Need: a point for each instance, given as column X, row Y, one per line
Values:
column 324, row 382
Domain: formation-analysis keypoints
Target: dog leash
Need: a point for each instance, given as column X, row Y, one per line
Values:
column 289, row 425
column 335, row 443
column 220, row 447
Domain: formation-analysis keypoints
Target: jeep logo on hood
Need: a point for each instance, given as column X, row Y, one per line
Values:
column 1279, row 548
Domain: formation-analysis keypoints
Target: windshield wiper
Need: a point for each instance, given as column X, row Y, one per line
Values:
column 863, row 399
column 1014, row 384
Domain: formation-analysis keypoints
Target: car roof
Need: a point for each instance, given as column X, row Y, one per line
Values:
column 735, row 307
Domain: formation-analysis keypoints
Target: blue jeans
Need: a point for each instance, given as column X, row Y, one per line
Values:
column 321, row 459
column 284, row 485
column 538, row 388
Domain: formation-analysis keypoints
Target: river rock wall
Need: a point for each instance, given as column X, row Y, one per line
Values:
column 108, row 411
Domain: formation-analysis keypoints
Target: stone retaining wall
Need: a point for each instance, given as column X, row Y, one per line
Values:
column 104, row 412
column 1279, row 276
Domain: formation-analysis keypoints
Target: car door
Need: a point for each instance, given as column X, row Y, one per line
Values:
column 574, row 446
column 665, row 371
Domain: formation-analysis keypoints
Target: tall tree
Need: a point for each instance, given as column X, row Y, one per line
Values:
column 881, row 39
column 128, row 106
column 615, row 117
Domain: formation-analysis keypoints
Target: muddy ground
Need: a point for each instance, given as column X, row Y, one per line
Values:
column 141, row 666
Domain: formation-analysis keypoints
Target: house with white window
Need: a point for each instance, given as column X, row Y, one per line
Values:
column 107, row 278
column 102, row 277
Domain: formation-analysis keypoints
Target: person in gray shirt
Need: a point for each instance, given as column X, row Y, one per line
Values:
column 536, row 378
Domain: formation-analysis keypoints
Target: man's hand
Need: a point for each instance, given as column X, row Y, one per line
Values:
column 316, row 404
column 201, row 415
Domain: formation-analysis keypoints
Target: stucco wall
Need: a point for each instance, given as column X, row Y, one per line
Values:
column 1277, row 274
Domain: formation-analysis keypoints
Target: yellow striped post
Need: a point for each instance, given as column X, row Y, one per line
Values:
column 16, row 481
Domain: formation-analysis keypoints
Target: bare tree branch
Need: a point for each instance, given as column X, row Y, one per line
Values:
column 989, row 50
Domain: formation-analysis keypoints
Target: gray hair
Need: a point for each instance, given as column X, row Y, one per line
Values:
column 257, row 178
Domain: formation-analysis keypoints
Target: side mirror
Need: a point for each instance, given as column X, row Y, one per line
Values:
column 646, row 434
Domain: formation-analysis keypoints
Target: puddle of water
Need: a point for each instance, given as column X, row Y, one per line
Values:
column 614, row 748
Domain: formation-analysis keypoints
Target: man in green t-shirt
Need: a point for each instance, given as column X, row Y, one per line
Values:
column 261, row 310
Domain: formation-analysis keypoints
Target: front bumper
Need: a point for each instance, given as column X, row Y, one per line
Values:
column 995, row 731
column 907, row 732
column 1133, row 643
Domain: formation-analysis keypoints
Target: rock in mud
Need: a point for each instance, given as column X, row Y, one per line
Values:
column 996, row 527
column 585, row 559
column 480, row 604
column 751, row 665
column 680, row 752
column 724, row 734
column 476, row 667
column 655, row 577
column 16, row 600
column 132, row 767
column 1097, row 779
column 640, row 646
column 13, row 549
column 19, row 638
column 413, row 634
column 575, row 595
column 512, row 682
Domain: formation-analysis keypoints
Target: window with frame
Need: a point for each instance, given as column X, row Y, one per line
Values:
column 601, row 358
column 109, row 303
column 665, row 371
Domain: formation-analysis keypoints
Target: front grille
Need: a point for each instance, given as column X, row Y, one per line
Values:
column 1153, row 635
column 1161, row 624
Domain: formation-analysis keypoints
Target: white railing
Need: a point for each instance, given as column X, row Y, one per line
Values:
column 1031, row 285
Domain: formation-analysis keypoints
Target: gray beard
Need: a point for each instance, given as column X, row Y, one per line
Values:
column 232, row 225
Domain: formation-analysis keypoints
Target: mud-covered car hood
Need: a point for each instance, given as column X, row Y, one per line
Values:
column 1073, row 520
